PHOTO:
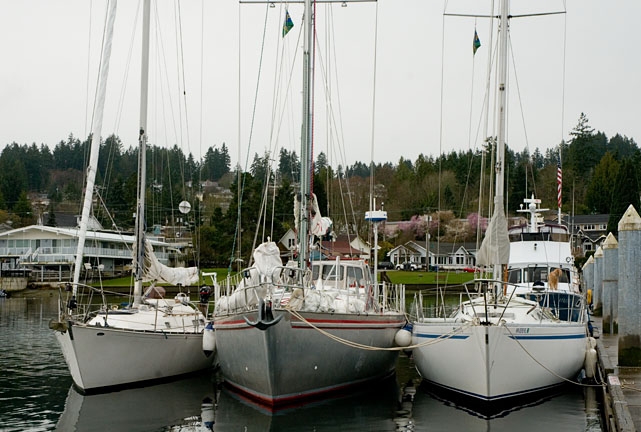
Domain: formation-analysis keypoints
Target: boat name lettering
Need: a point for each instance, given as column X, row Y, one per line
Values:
column 522, row 330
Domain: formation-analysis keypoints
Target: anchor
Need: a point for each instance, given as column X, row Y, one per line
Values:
column 265, row 316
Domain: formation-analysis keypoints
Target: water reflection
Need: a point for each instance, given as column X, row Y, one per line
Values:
column 184, row 403
column 33, row 374
column 553, row 412
column 373, row 408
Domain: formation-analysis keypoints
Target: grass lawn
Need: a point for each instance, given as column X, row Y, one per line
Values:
column 419, row 277
column 127, row 280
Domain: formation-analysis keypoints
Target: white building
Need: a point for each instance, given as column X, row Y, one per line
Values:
column 50, row 252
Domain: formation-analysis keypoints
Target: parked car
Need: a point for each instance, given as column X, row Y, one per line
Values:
column 406, row 266
column 471, row 269
column 386, row 265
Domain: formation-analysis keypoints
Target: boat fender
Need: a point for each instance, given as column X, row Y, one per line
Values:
column 590, row 363
column 209, row 339
column 207, row 413
column 403, row 337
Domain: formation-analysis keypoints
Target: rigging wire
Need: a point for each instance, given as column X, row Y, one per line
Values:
column 251, row 131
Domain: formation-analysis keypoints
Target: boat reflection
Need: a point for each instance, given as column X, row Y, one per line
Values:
column 198, row 404
column 568, row 409
column 373, row 408
column 183, row 403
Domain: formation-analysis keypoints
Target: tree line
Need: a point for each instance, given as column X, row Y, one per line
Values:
column 600, row 175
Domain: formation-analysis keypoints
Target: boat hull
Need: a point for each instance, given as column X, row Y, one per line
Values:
column 293, row 360
column 103, row 357
column 490, row 362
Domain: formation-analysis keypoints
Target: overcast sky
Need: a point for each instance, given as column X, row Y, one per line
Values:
column 427, row 97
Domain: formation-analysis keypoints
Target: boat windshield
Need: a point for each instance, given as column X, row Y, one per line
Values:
column 539, row 236
column 535, row 274
column 328, row 272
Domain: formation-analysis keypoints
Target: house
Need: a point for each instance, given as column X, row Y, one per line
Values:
column 50, row 252
column 447, row 256
column 410, row 252
column 588, row 232
column 341, row 245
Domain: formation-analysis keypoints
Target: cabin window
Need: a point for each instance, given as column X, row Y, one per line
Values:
column 355, row 275
column 514, row 276
column 329, row 272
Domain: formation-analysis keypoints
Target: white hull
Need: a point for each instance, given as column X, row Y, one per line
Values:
column 100, row 357
column 490, row 362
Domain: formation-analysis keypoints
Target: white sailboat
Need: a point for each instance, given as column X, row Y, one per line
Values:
column 505, row 341
column 285, row 333
column 153, row 338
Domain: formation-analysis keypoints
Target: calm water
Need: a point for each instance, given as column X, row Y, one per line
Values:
column 36, row 394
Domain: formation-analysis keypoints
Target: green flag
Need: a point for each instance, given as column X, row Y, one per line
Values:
column 477, row 42
column 288, row 24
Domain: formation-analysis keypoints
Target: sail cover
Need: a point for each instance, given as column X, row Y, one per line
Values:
column 154, row 270
column 319, row 225
column 267, row 258
column 495, row 248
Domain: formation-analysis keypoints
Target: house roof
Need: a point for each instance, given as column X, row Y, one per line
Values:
column 107, row 236
column 590, row 218
column 339, row 247
column 440, row 248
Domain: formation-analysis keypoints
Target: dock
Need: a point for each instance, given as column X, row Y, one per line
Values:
column 622, row 390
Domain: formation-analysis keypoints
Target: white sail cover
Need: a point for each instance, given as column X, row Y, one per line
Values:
column 154, row 270
column 267, row 258
column 495, row 248
column 319, row 225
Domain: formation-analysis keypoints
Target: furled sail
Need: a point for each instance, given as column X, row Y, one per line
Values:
column 154, row 270
column 319, row 225
column 495, row 248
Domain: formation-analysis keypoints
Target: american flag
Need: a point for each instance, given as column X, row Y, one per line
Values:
column 559, row 180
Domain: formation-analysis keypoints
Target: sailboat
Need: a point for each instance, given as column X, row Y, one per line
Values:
column 153, row 338
column 505, row 340
column 294, row 332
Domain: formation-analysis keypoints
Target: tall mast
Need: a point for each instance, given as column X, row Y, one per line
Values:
column 500, row 147
column 306, row 136
column 142, row 149
column 96, row 131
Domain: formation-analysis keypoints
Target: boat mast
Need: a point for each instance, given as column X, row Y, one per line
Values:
column 142, row 149
column 500, row 148
column 96, row 131
column 306, row 137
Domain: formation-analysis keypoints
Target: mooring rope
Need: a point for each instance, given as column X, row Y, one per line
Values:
column 599, row 384
column 371, row 348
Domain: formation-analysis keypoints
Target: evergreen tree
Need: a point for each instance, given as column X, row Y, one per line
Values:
column 626, row 193
column 13, row 175
column 51, row 217
column 24, row 210
column 600, row 192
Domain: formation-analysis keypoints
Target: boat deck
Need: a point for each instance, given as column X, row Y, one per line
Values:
column 622, row 402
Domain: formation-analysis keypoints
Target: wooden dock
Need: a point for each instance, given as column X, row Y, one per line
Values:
column 622, row 390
